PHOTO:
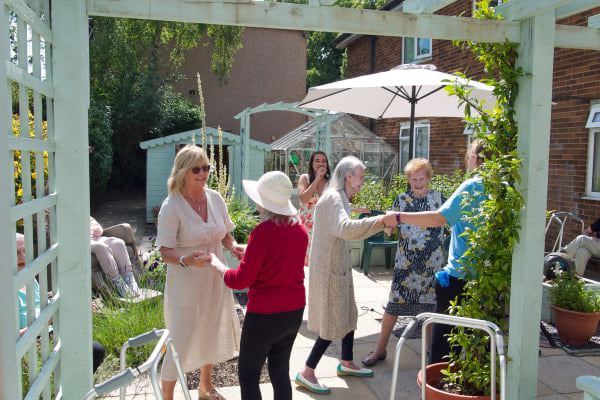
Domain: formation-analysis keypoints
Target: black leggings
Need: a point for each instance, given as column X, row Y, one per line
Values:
column 321, row 345
column 267, row 336
column 443, row 296
column 97, row 355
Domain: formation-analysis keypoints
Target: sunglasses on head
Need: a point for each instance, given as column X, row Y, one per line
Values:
column 196, row 170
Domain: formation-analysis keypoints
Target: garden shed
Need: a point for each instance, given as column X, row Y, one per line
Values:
column 161, row 154
column 292, row 151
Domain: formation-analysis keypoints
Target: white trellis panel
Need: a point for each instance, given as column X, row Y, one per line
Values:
column 33, row 115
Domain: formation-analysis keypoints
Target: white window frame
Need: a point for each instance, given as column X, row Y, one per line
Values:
column 406, row 140
column 594, row 117
column 593, row 124
column 416, row 57
column 590, row 194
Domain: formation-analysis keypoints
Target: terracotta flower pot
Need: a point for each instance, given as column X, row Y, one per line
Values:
column 575, row 327
column 433, row 393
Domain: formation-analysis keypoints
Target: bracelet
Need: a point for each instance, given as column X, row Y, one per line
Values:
column 181, row 262
column 398, row 219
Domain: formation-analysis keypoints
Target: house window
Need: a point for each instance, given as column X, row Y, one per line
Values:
column 420, row 144
column 415, row 49
column 594, row 117
column 593, row 185
column 593, row 164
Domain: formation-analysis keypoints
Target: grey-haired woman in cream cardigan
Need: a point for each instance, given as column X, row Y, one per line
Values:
column 332, row 311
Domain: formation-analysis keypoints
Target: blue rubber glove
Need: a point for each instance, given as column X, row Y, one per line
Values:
column 443, row 278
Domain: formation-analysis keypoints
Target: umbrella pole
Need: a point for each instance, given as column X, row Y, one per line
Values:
column 411, row 135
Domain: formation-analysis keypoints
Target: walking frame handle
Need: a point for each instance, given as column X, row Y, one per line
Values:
column 497, row 346
column 114, row 383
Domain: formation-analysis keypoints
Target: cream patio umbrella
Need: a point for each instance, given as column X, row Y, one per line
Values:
column 409, row 90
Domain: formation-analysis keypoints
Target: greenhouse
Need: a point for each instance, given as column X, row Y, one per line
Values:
column 292, row 151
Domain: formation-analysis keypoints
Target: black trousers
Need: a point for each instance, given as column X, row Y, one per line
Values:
column 321, row 345
column 267, row 337
column 443, row 296
column 97, row 355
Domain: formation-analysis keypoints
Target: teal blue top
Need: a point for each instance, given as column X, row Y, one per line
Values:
column 454, row 212
column 23, row 304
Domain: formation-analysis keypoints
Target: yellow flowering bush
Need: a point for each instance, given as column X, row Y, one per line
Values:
column 18, row 173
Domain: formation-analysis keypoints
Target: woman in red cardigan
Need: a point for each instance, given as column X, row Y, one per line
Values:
column 273, row 271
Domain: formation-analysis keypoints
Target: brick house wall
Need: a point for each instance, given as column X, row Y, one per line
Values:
column 576, row 81
column 269, row 68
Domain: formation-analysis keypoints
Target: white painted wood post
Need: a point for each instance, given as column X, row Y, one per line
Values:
column 71, row 86
column 536, row 55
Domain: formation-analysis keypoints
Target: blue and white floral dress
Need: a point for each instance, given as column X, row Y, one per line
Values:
column 419, row 257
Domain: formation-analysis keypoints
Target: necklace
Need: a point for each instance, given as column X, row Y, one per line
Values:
column 196, row 204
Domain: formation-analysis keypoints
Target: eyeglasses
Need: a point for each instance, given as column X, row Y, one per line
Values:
column 196, row 170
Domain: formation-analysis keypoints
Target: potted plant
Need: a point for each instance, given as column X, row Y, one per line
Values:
column 155, row 210
column 576, row 309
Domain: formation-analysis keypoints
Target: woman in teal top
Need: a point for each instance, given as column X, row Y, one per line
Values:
column 449, row 282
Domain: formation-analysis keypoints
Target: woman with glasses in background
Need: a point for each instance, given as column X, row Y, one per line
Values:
column 199, row 309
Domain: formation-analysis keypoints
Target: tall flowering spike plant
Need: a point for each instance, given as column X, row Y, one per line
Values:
column 202, row 113
column 219, row 179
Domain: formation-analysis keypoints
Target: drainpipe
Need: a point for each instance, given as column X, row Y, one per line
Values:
column 372, row 69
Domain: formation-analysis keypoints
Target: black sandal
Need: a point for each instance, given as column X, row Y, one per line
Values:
column 369, row 362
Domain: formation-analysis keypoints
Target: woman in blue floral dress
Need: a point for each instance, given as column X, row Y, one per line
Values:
column 420, row 255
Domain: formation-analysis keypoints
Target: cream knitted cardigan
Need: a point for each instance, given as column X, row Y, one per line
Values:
column 332, row 309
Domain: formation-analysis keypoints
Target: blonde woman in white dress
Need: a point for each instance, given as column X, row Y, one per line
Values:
column 199, row 308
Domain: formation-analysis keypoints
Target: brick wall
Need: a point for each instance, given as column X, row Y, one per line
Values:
column 576, row 80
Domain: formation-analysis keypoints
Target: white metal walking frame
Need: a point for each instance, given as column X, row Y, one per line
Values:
column 126, row 376
column 496, row 347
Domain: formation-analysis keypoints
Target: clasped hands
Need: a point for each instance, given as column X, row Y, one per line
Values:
column 389, row 222
column 202, row 259
column 238, row 251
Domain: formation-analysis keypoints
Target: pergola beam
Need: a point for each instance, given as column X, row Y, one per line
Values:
column 305, row 17
column 575, row 8
column 523, row 9
column 577, row 37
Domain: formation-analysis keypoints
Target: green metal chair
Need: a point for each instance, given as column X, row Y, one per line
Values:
column 377, row 240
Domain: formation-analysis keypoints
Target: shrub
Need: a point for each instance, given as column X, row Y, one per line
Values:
column 155, row 269
column 100, row 139
column 18, row 173
column 244, row 218
column 375, row 196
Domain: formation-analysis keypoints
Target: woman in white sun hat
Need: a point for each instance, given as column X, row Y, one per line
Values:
column 272, row 269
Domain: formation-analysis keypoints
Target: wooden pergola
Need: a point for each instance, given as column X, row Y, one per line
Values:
column 62, row 28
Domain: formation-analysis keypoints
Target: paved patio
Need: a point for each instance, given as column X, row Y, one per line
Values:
column 557, row 370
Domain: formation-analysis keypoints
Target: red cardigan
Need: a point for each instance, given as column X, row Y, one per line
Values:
column 272, row 268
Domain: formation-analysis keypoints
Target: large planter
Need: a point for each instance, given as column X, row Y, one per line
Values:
column 547, row 312
column 574, row 327
column 433, row 393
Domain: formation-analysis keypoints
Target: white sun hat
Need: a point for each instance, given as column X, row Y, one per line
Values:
column 272, row 192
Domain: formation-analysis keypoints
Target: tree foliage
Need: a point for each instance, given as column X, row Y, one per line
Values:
column 324, row 62
column 132, row 63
